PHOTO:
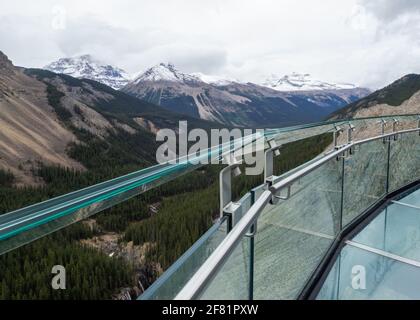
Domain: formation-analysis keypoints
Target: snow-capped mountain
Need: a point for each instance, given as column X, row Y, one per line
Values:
column 302, row 82
column 234, row 103
column 165, row 72
column 168, row 72
column 85, row 66
column 215, row 80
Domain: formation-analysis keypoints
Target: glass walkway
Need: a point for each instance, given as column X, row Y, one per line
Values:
column 336, row 227
column 382, row 261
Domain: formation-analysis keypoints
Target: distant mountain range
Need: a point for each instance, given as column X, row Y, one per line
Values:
column 235, row 103
column 281, row 101
column 46, row 116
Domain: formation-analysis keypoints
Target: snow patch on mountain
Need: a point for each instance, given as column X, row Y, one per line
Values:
column 85, row 66
column 165, row 72
column 215, row 80
column 302, row 82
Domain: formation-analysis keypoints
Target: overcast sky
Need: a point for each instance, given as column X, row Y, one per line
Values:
column 366, row 42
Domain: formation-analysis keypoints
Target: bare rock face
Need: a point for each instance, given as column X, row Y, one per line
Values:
column 5, row 62
column 29, row 129
column 6, row 66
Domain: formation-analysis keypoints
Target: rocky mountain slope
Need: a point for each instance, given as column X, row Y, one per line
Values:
column 55, row 119
column 400, row 97
column 234, row 103
column 85, row 66
column 30, row 130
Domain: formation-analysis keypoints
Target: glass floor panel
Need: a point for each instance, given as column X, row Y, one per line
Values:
column 395, row 230
column 384, row 278
column 383, row 260
column 412, row 199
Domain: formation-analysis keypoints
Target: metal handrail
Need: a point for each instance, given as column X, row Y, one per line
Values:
column 214, row 263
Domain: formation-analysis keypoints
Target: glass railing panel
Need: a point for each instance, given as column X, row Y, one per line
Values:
column 364, row 127
column 232, row 280
column 298, row 168
column 361, row 275
column 293, row 235
column 172, row 281
column 299, row 133
column 404, row 161
column 30, row 223
column 365, row 176
column 396, row 230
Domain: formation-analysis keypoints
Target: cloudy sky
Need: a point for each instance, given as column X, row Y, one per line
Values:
column 367, row 42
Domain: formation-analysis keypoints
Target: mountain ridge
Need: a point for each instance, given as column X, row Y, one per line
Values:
column 235, row 103
column 400, row 97
column 85, row 66
column 57, row 120
column 302, row 82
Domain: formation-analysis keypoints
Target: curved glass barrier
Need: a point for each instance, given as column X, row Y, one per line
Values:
column 364, row 127
column 323, row 197
column 293, row 235
column 404, row 160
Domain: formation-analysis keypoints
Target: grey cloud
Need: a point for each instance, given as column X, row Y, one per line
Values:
column 242, row 39
column 89, row 35
column 388, row 10
column 208, row 60
column 137, row 50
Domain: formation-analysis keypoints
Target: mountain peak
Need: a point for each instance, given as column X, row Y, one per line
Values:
column 302, row 82
column 86, row 66
column 165, row 72
column 5, row 63
column 215, row 80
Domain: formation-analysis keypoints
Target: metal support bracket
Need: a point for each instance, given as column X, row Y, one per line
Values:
column 274, row 150
column 227, row 207
column 230, row 211
column 418, row 123
column 394, row 128
column 383, row 125
column 350, row 130
column 289, row 191
column 342, row 155
column 252, row 231
column 276, row 197
column 337, row 130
